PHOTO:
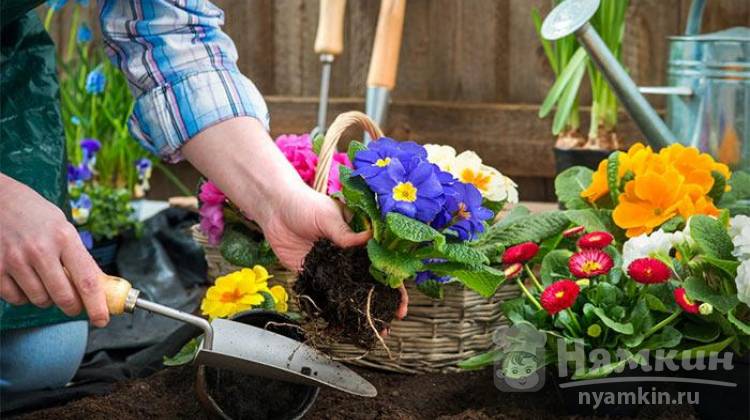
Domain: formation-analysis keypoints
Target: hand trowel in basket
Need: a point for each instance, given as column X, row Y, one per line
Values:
column 244, row 348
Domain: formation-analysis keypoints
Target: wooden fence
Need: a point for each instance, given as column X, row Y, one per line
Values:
column 472, row 72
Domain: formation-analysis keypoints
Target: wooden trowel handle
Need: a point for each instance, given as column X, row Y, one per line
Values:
column 385, row 51
column 330, row 36
column 116, row 290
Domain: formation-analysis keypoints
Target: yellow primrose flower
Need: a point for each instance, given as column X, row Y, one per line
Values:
column 442, row 156
column 236, row 292
column 280, row 298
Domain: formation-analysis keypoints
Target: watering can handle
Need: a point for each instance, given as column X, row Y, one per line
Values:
column 695, row 17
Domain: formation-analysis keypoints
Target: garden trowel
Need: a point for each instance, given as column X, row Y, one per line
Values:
column 381, row 78
column 329, row 42
column 244, row 348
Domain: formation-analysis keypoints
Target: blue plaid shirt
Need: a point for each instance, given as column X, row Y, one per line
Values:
column 181, row 68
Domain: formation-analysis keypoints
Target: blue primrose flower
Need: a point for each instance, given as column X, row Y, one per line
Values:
column 80, row 209
column 424, row 276
column 413, row 190
column 78, row 174
column 84, row 34
column 95, row 81
column 86, row 238
column 379, row 154
column 463, row 212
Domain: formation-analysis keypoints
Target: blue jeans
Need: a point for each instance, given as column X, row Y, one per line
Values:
column 41, row 357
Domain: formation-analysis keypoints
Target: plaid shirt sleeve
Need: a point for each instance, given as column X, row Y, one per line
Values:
column 181, row 68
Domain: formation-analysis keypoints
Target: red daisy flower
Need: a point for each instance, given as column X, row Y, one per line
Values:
column 649, row 271
column 513, row 270
column 598, row 240
column 559, row 295
column 520, row 253
column 589, row 263
column 687, row 305
column 574, row 231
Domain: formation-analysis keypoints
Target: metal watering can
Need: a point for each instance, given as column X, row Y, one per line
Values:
column 708, row 77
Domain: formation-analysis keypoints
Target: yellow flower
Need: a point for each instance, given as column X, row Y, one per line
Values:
column 695, row 166
column 280, row 298
column 636, row 158
column 236, row 292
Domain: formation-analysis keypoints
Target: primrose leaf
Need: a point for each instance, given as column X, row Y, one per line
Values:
column 317, row 143
column 697, row 288
column 720, row 184
column 359, row 196
column 432, row 288
column 703, row 332
column 555, row 266
column 569, row 185
column 704, row 349
column 354, row 147
column 711, row 236
column 592, row 220
column 185, row 355
column 533, row 227
column 412, row 230
column 269, row 304
column 673, row 224
column 481, row 279
column 613, row 168
column 626, row 328
column 727, row 266
column 737, row 200
column 742, row 326
column 460, row 253
column 396, row 266
column 667, row 338
column 239, row 248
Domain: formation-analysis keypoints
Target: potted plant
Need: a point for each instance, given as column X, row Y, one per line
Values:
column 659, row 280
column 107, row 169
column 569, row 63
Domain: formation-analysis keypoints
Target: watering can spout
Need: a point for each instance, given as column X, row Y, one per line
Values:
column 572, row 17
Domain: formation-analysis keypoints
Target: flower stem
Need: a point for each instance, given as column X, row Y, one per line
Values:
column 533, row 277
column 574, row 320
column 528, row 294
column 48, row 18
column 662, row 324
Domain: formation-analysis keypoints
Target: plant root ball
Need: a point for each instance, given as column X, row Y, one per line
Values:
column 338, row 281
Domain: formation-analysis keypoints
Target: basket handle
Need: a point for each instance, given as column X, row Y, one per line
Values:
column 333, row 135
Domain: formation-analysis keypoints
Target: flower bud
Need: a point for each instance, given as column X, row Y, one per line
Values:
column 583, row 283
column 574, row 231
column 513, row 270
column 706, row 308
column 594, row 330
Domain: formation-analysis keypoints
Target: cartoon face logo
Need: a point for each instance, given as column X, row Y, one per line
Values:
column 521, row 367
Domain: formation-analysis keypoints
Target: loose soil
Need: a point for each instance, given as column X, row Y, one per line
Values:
column 169, row 394
column 335, row 285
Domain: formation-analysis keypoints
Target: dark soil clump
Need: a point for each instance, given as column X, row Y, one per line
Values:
column 249, row 397
column 335, row 284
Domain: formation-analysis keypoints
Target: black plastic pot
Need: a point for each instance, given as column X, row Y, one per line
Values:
column 575, row 399
column 105, row 253
column 590, row 158
column 298, row 398
column 717, row 402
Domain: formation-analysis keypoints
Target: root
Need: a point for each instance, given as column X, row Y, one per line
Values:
column 350, row 359
column 283, row 324
column 309, row 299
column 372, row 324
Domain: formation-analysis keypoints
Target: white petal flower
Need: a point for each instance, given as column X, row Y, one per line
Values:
column 658, row 242
column 743, row 282
column 739, row 230
column 442, row 156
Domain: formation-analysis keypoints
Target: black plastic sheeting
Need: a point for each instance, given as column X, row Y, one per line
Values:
column 168, row 267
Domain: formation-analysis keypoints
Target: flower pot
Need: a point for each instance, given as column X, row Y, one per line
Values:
column 230, row 395
column 105, row 253
column 580, row 400
column 590, row 158
column 716, row 402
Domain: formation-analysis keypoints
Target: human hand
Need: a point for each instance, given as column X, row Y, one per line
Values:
column 36, row 242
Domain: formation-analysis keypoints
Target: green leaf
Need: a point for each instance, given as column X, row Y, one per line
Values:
column 568, row 75
column 239, row 247
column 317, row 143
column 555, row 266
column 354, row 147
column 655, row 304
column 567, row 99
column 704, row 349
column 626, row 328
column 737, row 200
column 185, row 355
column 613, row 168
column 570, row 183
column 603, row 294
column 481, row 360
column 698, row 289
column 703, row 332
column 592, row 220
column 481, row 279
column 413, row 230
column 727, row 266
column 720, row 183
column 516, row 213
column 534, row 227
column 742, row 326
column 674, row 224
column 608, row 369
column 667, row 338
column 432, row 289
column 711, row 236
column 269, row 304
column 359, row 196
column 396, row 266
column 454, row 252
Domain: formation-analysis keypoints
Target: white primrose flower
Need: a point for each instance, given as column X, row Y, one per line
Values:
column 739, row 230
column 442, row 156
column 468, row 168
column 658, row 242
column 743, row 282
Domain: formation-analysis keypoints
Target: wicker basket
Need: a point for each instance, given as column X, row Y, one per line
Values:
column 436, row 335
